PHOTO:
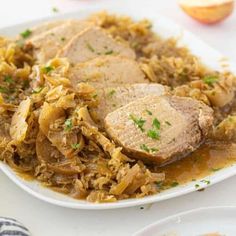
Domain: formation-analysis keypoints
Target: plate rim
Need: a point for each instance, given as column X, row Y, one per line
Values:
column 85, row 205
column 122, row 203
column 181, row 214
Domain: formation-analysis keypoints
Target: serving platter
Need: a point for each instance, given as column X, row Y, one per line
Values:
column 166, row 28
column 198, row 222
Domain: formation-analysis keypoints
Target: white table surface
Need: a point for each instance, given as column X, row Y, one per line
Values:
column 47, row 220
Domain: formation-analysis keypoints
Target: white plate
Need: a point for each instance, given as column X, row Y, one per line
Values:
column 165, row 28
column 195, row 223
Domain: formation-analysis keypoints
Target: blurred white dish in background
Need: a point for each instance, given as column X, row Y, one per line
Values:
column 212, row 221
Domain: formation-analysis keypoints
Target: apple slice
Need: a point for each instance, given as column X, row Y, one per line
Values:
column 207, row 11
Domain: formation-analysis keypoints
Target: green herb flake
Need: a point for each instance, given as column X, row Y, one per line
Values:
column 156, row 123
column 174, row 184
column 63, row 39
column 159, row 184
column 168, row 123
column 109, row 52
column 215, row 169
column 144, row 147
column 154, row 149
column 205, row 181
column 153, row 134
column 95, row 96
column 37, row 90
column 75, row 146
column 139, row 122
column 55, row 9
column 210, row 80
column 26, row 33
column 47, row 69
column 197, row 185
column 111, row 93
column 4, row 90
column 149, row 112
column 8, row 79
column 89, row 46
column 68, row 125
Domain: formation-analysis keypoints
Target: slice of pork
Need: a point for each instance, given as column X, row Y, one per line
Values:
column 46, row 45
column 92, row 43
column 161, row 129
column 105, row 71
column 112, row 98
column 44, row 27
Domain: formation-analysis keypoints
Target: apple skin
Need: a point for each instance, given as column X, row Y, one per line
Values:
column 209, row 14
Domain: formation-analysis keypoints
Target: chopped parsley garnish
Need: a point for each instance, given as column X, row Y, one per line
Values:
column 144, row 147
column 141, row 208
column 26, row 33
column 197, row 185
column 47, row 69
column 109, row 52
column 156, row 123
column 154, row 149
column 147, row 149
column 37, row 90
column 139, row 122
column 205, row 181
column 215, row 169
column 68, row 125
column 174, row 184
column 149, row 112
column 153, row 134
column 8, row 79
column 168, row 123
column 54, row 9
column 63, row 39
column 95, row 95
column 159, row 184
column 75, row 146
column 210, row 80
column 3, row 90
column 112, row 92
column 90, row 47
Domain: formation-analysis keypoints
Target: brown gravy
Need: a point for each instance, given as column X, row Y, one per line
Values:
column 208, row 159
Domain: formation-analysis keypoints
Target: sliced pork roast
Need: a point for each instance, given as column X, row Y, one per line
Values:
column 112, row 98
column 161, row 129
column 92, row 43
column 106, row 71
column 42, row 28
column 46, row 45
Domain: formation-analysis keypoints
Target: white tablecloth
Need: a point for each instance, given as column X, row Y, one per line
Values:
column 47, row 220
